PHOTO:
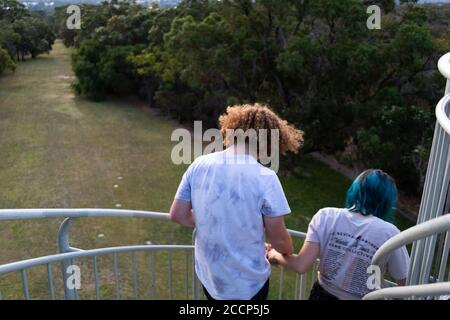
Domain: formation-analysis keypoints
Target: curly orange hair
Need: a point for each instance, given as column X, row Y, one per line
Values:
column 258, row 116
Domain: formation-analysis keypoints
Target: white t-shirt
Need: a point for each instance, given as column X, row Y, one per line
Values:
column 348, row 242
column 229, row 195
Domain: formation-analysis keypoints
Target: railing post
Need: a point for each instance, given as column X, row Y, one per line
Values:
column 64, row 247
column 197, row 286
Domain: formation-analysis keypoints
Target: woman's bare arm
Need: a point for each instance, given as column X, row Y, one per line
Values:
column 301, row 262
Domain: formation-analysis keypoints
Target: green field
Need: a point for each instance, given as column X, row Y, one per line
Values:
column 62, row 151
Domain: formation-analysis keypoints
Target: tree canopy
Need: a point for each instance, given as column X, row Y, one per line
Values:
column 366, row 96
column 22, row 33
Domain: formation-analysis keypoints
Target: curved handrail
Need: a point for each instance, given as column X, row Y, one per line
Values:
column 24, row 214
column 21, row 214
column 298, row 234
column 423, row 230
column 441, row 113
column 444, row 65
column 417, row 291
column 67, row 253
column 25, row 264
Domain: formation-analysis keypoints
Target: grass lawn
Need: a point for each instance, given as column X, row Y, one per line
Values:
column 62, row 151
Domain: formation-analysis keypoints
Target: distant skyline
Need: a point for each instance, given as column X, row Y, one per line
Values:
column 175, row 1
column 96, row 1
column 49, row 4
column 163, row 3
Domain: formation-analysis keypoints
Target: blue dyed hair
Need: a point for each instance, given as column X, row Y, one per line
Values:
column 373, row 192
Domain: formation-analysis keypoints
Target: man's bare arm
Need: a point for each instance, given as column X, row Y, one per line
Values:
column 278, row 235
column 181, row 212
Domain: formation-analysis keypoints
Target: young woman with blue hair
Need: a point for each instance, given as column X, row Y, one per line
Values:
column 345, row 241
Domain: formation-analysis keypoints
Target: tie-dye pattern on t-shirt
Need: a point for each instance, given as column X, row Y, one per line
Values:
column 229, row 195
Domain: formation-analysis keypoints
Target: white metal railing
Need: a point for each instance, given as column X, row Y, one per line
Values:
column 421, row 231
column 283, row 284
column 430, row 238
column 442, row 112
column 48, row 261
column 429, row 256
column 444, row 66
column 440, row 289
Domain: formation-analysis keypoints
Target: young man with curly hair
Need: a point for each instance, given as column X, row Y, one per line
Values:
column 233, row 201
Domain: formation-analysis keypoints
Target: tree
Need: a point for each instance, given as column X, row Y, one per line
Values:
column 5, row 61
column 314, row 62
column 9, row 39
column 22, row 33
column 101, row 62
column 35, row 38
column 12, row 10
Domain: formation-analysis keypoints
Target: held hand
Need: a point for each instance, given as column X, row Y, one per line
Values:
column 268, row 249
column 272, row 255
